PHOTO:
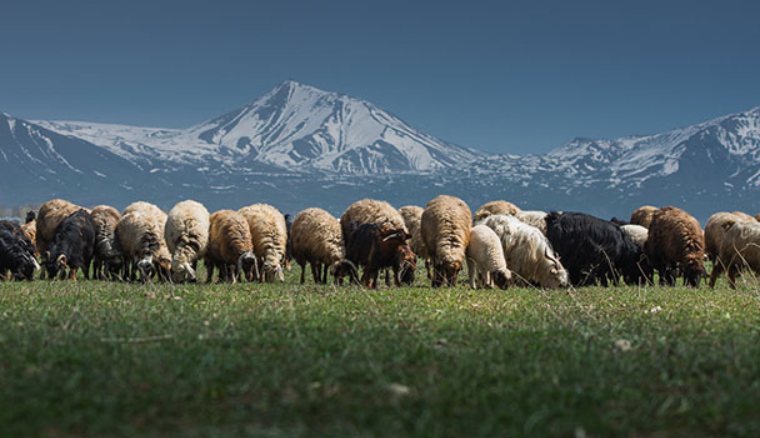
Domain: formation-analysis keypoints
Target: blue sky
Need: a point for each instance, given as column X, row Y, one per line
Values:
column 517, row 77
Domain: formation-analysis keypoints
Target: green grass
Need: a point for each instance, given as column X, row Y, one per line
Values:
column 103, row 359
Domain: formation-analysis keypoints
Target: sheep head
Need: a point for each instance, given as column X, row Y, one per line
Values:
column 502, row 279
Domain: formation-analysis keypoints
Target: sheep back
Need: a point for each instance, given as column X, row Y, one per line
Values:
column 496, row 207
column 643, row 215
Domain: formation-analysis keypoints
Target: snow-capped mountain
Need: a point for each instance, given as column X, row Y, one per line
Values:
column 293, row 127
column 297, row 146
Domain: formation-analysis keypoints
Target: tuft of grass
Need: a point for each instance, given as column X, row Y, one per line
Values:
column 107, row 359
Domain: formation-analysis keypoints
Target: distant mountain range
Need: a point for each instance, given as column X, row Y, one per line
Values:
column 297, row 146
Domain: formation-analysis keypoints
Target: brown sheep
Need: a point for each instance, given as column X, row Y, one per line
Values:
column 676, row 244
column 445, row 226
column 715, row 231
column 412, row 215
column 643, row 215
column 740, row 249
column 230, row 248
column 108, row 259
column 270, row 239
column 317, row 241
column 496, row 207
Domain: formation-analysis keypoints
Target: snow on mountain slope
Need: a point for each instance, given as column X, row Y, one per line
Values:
column 294, row 127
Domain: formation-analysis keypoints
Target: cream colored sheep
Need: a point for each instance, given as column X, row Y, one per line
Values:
column 637, row 233
column 370, row 211
column 485, row 258
column 529, row 255
column 715, row 232
column 230, row 248
column 445, row 227
column 140, row 234
column 496, row 207
column 317, row 241
column 186, row 235
column 534, row 218
column 740, row 249
column 270, row 238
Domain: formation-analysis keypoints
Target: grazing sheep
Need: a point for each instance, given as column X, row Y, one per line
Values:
column 140, row 234
column 485, row 258
column 270, row 238
column 715, row 232
column 534, row 218
column 637, row 233
column 643, row 215
column 108, row 259
column 594, row 250
column 50, row 215
column 186, row 235
column 412, row 215
column 14, row 228
column 317, row 241
column 528, row 253
column 378, row 246
column 230, row 248
column 496, row 207
column 72, row 247
column 15, row 254
column 743, row 216
column 740, row 249
column 676, row 244
column 445, row 227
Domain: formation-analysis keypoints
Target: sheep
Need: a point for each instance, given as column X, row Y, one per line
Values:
column 140, row 234
column 15, row 253
column 318, row 241
column 715, row 232
column 72, row 247
column 230, row 247
column 30, row 231
column 643, row 215
column 108, row 260
column 676, row 244
column 378, row 246
column 740, row 249
column 270, row 238
column 445, row 228
column 637, row 233
column 496, row 207
column 186, row 235
column 594, row 249
column 528, row 253
column 743, row 216
column 50, row 215
column 485, row 257
column 534, row 218
column 412, row 216
column 371, row 211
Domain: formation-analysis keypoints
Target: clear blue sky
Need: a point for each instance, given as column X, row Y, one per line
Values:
column 517, row 77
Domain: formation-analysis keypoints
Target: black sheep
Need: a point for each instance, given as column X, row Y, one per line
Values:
column 377, row 246
column 73, row 246
column 15, row 257
column 594, row 250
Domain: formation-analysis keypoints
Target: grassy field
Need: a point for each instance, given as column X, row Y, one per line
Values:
column 103, row 359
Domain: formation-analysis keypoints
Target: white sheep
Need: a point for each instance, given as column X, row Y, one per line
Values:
column 485, row 257
column 186, row 234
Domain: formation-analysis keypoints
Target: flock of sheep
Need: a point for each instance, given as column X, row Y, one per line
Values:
column 501, row 244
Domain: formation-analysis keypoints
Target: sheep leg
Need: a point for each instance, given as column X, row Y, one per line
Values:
column 387, row 277
column 303, row 272
column 86, row 269
column 315, row 269
column 73, row 274
column 717, row 270
column 325, row 268
column 209, row 271
column 733, row 270
column 427, row 268
column 471, row 273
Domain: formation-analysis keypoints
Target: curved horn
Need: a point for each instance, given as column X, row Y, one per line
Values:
column 390, row 236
